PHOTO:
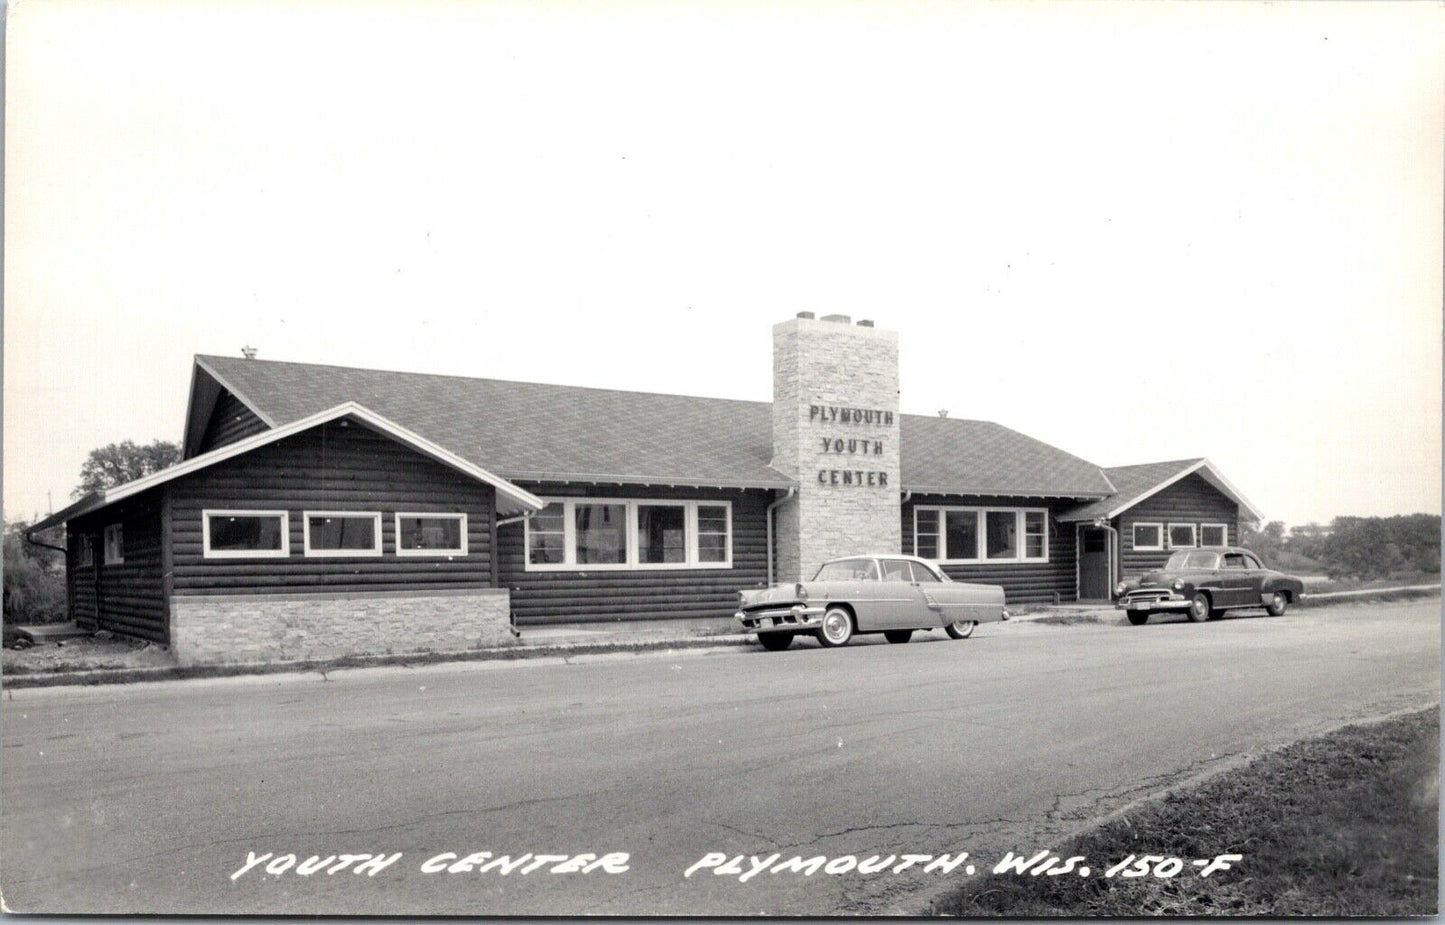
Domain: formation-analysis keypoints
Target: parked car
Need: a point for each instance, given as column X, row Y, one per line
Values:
column 1204, row 583
column 889, row 594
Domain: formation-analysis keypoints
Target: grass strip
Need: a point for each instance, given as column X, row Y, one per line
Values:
column 1342, row 825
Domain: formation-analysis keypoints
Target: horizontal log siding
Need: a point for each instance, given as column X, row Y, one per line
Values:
column 80, row 579
column 330, row 468
column 1023, row 582
column 132, row 598
column 230, row 421
column 1191, row 500
column 542, row 598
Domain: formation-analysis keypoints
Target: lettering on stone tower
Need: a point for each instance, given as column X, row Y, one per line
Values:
column 833, row 444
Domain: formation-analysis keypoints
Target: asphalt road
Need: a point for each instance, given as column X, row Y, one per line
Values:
column 147, row 798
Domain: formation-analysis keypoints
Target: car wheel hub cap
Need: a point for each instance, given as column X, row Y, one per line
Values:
column 836, row 626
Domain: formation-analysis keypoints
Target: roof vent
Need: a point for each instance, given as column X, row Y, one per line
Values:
column 840, row 319
column 248, row 352
column 808, row 315
column 866, row 323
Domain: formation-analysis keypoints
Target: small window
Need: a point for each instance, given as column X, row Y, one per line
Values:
column 1148, row 536
column 1036, row 535
column 245, row 534
column 1233, row 560
column 925, row 533
column 1213, row 535
column 1251, row 562
column 342, row 533
column 1002, row 532
column 547, row 535
column 114, row 544
column 1181, row 536
column 84, row 553
column 713, row 532
column 431, row 534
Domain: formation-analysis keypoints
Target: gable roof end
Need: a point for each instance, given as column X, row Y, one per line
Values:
column 510, row 498
column 1138, row 483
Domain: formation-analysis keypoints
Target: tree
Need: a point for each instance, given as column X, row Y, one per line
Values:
column 118, row 463
column 34, row 576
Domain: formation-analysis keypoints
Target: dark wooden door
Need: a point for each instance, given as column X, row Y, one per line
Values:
column 1094, row 565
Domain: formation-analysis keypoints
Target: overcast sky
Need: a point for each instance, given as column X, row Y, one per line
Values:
column 1138, row 231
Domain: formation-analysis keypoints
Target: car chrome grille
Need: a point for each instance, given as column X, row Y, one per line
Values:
column 1146, row 596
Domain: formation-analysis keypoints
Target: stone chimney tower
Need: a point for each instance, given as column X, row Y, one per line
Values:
column 835, row 431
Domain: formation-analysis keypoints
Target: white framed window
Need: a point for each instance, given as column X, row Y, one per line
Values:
column 245, row 534
column 424, row 534
column 612, row 534
column 1182, row 536
column 1149, row 536
column 114, row 544
column 1213, row 535
column 341, row 533
column 84, row 553
column 963, row 535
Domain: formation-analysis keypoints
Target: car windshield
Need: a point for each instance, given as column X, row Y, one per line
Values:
column 1192, row 558
column 847, row 570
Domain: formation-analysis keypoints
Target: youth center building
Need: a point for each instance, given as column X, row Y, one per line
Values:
column 322, row 510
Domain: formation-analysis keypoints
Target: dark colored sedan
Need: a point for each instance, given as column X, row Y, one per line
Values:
column 1204, row 583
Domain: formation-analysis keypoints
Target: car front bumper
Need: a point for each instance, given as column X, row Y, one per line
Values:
column 797, row 617
column 1153, row 602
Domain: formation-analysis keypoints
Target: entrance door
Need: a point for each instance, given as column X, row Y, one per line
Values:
column 1094, row 564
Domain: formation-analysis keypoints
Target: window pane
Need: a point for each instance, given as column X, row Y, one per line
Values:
column 661, row 533
column 601, row 533
column 922, row 574
column 1034, row 534
column 1002, row 527
column 896, row 570
column 1211, row 536
column 1182, row 535
column 429, row 533
column 847, row 570
column 245, row 533
column 338, row 533
column 961, row 534
column 712, row 533
column 1146, row 536
column 545, row 536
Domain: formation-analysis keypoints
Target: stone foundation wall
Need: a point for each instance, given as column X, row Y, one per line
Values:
column 279, row 627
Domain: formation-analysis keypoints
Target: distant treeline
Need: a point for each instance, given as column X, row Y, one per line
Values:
column 1352, row 547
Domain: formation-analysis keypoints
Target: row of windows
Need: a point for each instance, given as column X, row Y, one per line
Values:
column 1179, row 536
column 575, row 534
column 978, row 534
column 267, row 534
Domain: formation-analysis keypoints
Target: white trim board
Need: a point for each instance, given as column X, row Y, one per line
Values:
column 510, row 498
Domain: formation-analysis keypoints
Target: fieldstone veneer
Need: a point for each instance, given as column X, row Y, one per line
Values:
column 835, row 430
column 280, row 627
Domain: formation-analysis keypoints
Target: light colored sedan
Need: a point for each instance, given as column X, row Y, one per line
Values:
column 889, row 594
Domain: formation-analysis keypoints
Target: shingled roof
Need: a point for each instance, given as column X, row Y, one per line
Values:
column 539, row 432
column 1135, row 483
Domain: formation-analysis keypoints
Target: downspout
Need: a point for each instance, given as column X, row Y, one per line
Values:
column 511, row 615
column 771, row 508
column 1103, row 524
column 34, row 542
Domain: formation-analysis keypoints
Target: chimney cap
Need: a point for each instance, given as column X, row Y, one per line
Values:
column 249, row 352
column 841, row 319
column 866, row 323
column 806, row 315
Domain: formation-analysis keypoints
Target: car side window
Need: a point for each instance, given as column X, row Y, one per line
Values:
column 1252, row 562
column 921, row 573
column 1233, row 560
column 895, row 570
